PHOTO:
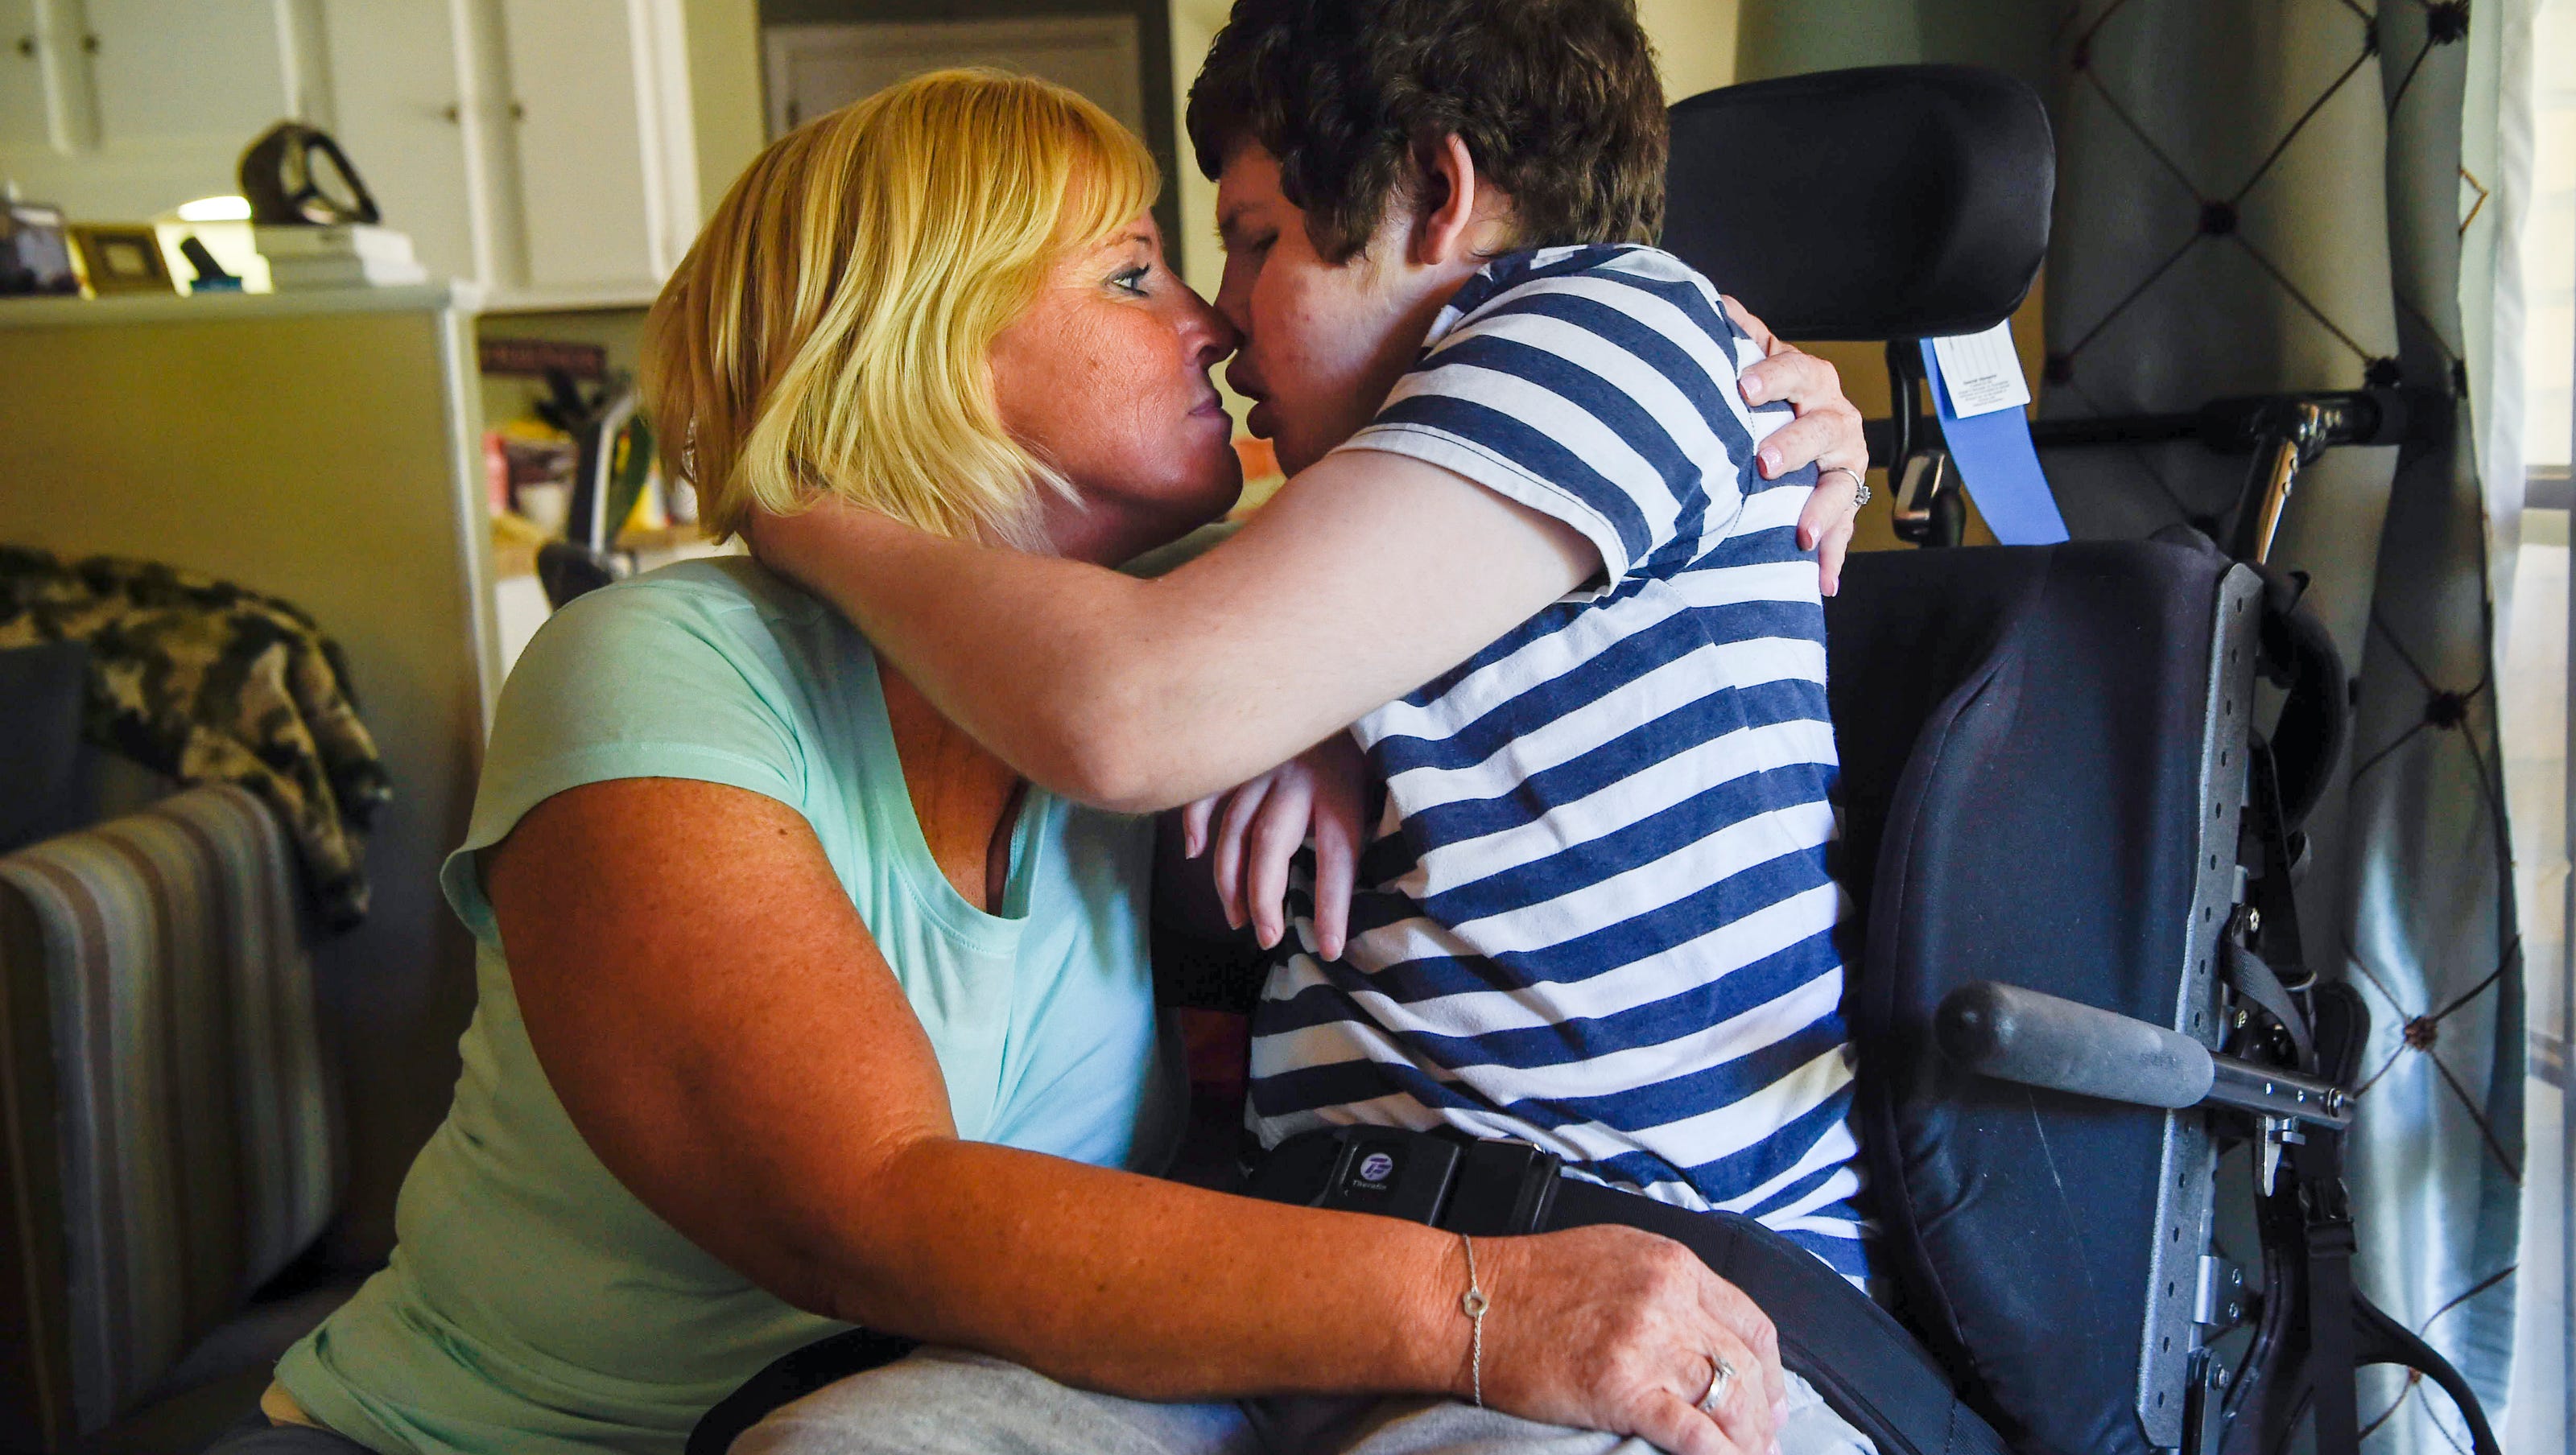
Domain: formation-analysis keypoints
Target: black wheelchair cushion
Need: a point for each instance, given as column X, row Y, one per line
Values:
column 1886, row 202
column 2021, row 734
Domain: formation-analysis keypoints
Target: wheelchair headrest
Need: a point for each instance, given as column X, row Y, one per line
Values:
column 1886, row 202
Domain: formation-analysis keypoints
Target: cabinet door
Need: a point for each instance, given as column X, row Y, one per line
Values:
column 579, row 77
column 30, row 78
column 157, row 100
column 399, row 113
column 214, row 70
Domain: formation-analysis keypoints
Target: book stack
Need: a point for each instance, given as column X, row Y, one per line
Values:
column 352, row 255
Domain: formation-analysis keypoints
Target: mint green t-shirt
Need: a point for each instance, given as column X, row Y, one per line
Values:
column 533, row 1304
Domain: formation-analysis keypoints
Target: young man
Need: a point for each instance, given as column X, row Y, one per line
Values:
column 1538, row 556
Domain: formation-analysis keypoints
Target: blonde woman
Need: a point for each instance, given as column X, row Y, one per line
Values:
column 798, row 1009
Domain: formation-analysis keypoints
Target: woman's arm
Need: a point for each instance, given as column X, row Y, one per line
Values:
column 721, row 1029
column 1364, row 577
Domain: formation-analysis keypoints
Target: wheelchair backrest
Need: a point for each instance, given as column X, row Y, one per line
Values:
column 2044, row 763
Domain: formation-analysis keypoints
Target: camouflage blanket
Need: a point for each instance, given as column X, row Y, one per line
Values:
column 211, row 683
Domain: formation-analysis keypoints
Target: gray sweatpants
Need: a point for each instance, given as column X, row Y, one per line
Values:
column 951, row 1402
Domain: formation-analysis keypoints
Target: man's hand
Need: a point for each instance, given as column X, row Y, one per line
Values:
column 1825, row 432
column 1259, row 826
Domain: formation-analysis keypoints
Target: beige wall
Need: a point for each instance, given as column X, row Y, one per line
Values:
column 1695, row 40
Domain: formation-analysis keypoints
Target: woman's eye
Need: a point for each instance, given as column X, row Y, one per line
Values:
column 1133, row 280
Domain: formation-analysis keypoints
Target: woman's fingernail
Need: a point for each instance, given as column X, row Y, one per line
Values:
column 1770, row 464
column 1193, row 844
column 1752, row 387
column 1806, row 539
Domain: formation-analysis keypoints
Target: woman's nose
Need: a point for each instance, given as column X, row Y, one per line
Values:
column 1213, row 337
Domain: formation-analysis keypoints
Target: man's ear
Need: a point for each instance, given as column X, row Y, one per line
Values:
column 1445, row 230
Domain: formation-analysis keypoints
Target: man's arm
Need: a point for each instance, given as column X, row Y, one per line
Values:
column 1366, row 576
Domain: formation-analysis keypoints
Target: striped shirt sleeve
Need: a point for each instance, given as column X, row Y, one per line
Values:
column 1604, row 396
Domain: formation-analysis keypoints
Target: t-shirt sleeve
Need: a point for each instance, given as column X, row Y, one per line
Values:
column 633, row 682
column 1606, row 398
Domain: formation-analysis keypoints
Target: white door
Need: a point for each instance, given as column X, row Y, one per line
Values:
column 600, row 135
column 813, row 69
column 399, row 112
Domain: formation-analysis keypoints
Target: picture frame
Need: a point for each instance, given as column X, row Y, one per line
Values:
column 119, row 257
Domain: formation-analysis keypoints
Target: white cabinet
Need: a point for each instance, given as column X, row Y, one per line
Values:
column 120, row 109
column 600, row 137
column 543, row 149
column 399, row 98
column 26, row 100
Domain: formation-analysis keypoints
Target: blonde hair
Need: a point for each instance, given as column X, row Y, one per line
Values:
column 828, row 333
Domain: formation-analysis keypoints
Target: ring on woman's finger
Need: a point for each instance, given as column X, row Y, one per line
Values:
column 1860, row 487
column 1720, row 1379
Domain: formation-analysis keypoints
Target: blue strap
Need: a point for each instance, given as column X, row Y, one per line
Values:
column 1999, row 465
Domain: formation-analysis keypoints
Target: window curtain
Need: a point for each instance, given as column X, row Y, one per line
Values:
column 2265, row 197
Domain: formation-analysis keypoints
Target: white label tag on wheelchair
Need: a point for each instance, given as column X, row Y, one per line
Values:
column 1982, row 372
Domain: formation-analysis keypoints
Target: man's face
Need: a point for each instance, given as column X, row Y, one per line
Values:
column 1323, row 342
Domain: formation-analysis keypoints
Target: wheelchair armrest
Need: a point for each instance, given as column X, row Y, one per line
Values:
column 2018, row 1035
column 2012, row 1034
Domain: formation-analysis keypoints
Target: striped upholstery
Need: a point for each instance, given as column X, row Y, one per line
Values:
column 170, row 1137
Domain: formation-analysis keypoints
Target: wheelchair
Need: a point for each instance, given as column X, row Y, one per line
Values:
column 2076, row 975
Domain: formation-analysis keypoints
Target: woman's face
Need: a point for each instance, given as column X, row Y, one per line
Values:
column 1106, row 378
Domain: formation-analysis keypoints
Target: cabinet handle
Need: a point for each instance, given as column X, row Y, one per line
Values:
column 27, row 46
column 89, row 44
column 452, row 114
column 518, row 112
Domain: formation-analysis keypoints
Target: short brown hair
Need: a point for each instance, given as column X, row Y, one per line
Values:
column 1557, row 101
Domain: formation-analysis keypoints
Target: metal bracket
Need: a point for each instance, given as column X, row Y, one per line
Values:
column 2220, row 1303
column 1925, row 499
column 2204, row 1405
column 2279, row 1135
column 2187, row 1186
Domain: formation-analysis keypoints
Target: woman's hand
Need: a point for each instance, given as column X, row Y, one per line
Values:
column 1826, row 432
column 1610, row 1328
column 1258, row 827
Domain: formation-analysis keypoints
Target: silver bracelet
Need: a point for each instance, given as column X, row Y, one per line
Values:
column 1473, row 1305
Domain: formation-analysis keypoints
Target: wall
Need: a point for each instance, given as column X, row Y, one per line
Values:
column 1695, row 40
column 724, row 91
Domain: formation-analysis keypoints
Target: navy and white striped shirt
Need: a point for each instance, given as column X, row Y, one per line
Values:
column 1598, row 916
